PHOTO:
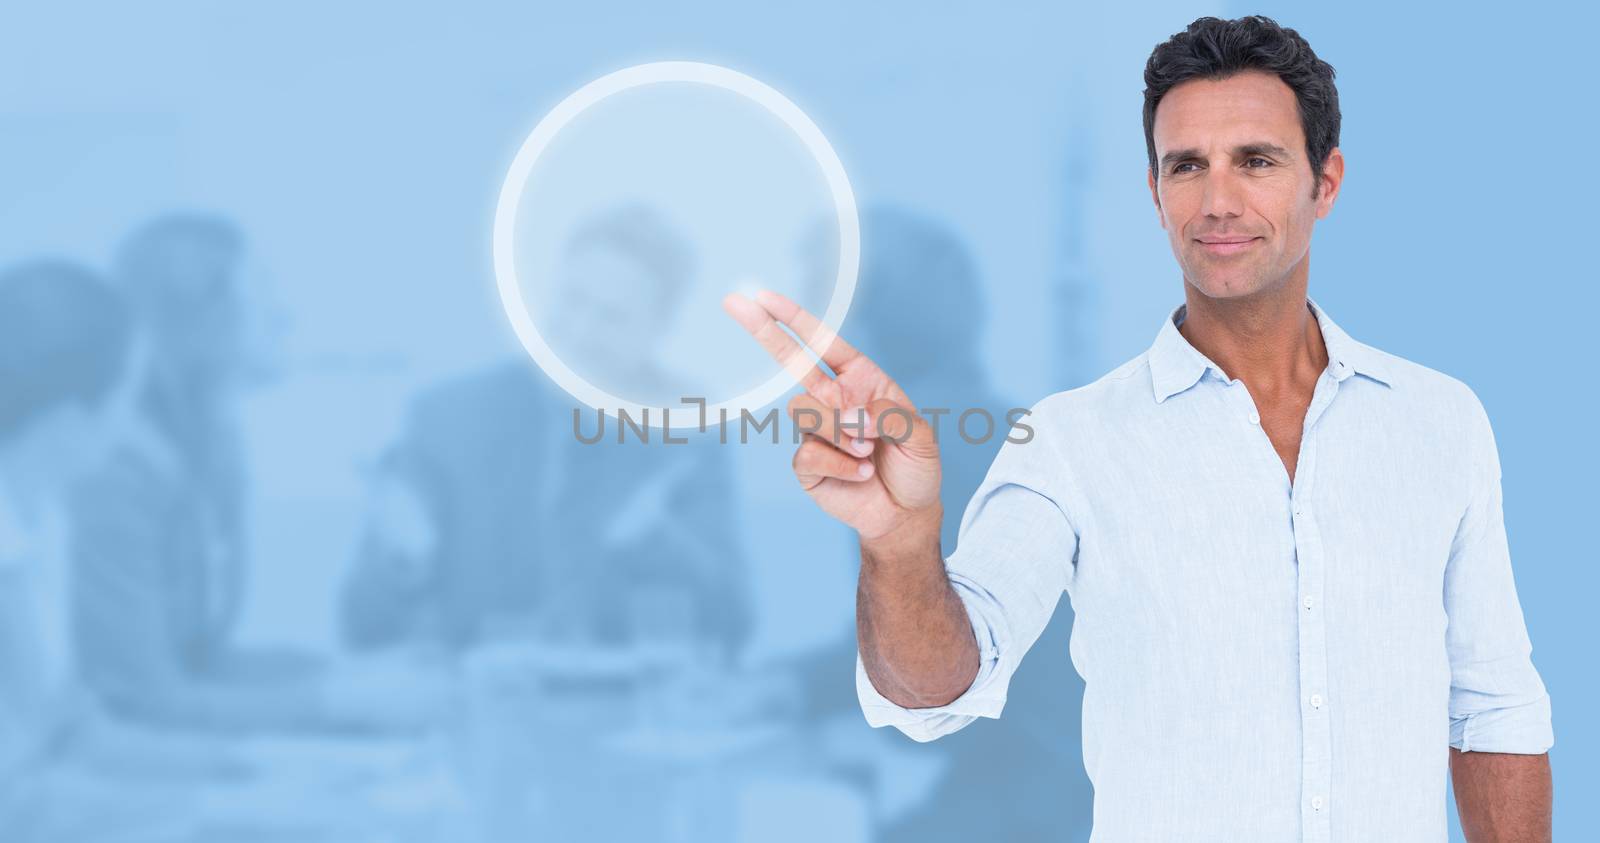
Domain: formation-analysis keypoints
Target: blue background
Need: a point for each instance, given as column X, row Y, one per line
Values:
column 360, row 150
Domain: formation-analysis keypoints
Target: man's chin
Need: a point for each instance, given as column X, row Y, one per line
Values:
column 1213, row 289
column 1228, row 284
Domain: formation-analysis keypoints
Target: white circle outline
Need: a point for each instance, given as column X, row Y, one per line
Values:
column 626, row 79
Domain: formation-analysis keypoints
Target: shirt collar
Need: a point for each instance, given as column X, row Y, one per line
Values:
column 1175, row 365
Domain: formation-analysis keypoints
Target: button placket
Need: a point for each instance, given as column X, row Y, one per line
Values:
column 1252, row 416
column 1316, row 736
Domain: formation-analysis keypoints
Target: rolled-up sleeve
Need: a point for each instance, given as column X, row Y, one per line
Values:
column 1015, row 553
column 1498, row 702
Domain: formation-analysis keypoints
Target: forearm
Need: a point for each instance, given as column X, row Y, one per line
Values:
column 917, row 644
column 1502, row 797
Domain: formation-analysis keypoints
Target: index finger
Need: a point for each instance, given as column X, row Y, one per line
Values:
column 759, row 322
column 824, row 340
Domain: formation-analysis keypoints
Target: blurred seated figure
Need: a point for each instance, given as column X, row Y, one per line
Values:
column 63, row 338
column 593, row 593
column 159, row 540
column 490, row 518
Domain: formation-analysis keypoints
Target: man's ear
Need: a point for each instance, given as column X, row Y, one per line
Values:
column 1155, row 196
column 1332, row 179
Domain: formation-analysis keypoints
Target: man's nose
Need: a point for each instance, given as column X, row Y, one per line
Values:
column 1222, row 196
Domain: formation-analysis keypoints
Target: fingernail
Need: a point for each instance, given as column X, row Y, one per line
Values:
column 865, row 469
column 856, row 419
column 862, row 446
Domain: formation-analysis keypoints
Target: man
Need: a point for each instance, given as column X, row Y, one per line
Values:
column 1284, row 548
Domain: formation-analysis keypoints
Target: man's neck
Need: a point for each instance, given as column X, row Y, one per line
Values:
column 1269, row 340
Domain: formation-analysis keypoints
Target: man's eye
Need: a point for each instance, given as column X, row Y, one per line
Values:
column 1180, row 167
column 1251, row 163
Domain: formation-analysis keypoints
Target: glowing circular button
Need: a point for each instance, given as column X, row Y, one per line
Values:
column 638, row 76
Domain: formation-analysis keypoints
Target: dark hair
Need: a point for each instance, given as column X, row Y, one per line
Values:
column 64, row 338
column 1212, row 48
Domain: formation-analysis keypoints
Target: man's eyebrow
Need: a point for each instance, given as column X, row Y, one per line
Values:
column 1270, row 149
column 1243, row 151
column 1177, row 155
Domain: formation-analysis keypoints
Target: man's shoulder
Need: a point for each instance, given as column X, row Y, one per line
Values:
column 1120, row 387
column 497, row 383
column 1418, row 385
column 483, row 400
column 1438, row 406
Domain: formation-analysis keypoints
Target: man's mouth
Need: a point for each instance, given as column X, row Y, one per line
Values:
column 1226, row 245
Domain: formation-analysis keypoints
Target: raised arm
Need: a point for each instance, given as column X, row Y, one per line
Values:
column 871, row 461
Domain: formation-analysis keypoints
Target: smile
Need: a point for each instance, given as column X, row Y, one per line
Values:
column 1228, row 246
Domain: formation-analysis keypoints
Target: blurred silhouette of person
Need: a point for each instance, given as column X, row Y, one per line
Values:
column 490, row 518
column 68, row 346
column 160, row 544
column 918, row 312
column 63, row 339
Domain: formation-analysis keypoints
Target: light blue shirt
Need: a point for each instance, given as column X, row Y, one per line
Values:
column 1263, row 661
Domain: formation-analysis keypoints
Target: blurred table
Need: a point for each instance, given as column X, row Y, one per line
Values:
column 524, row 742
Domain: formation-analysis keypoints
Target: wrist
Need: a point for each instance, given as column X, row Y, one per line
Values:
column 913, row 535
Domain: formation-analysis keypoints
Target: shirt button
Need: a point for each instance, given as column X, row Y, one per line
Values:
column 1316, row 700
column 1308, row 601
column 1255, row 418
column 1316, row 803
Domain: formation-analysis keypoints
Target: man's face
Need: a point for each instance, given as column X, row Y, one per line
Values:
column 611, row 310
column 1233, row 185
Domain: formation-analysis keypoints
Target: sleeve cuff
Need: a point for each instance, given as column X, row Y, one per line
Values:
column 984, row 698
column 1523, row 729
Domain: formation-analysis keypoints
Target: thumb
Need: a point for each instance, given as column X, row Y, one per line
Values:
column 903, row 427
